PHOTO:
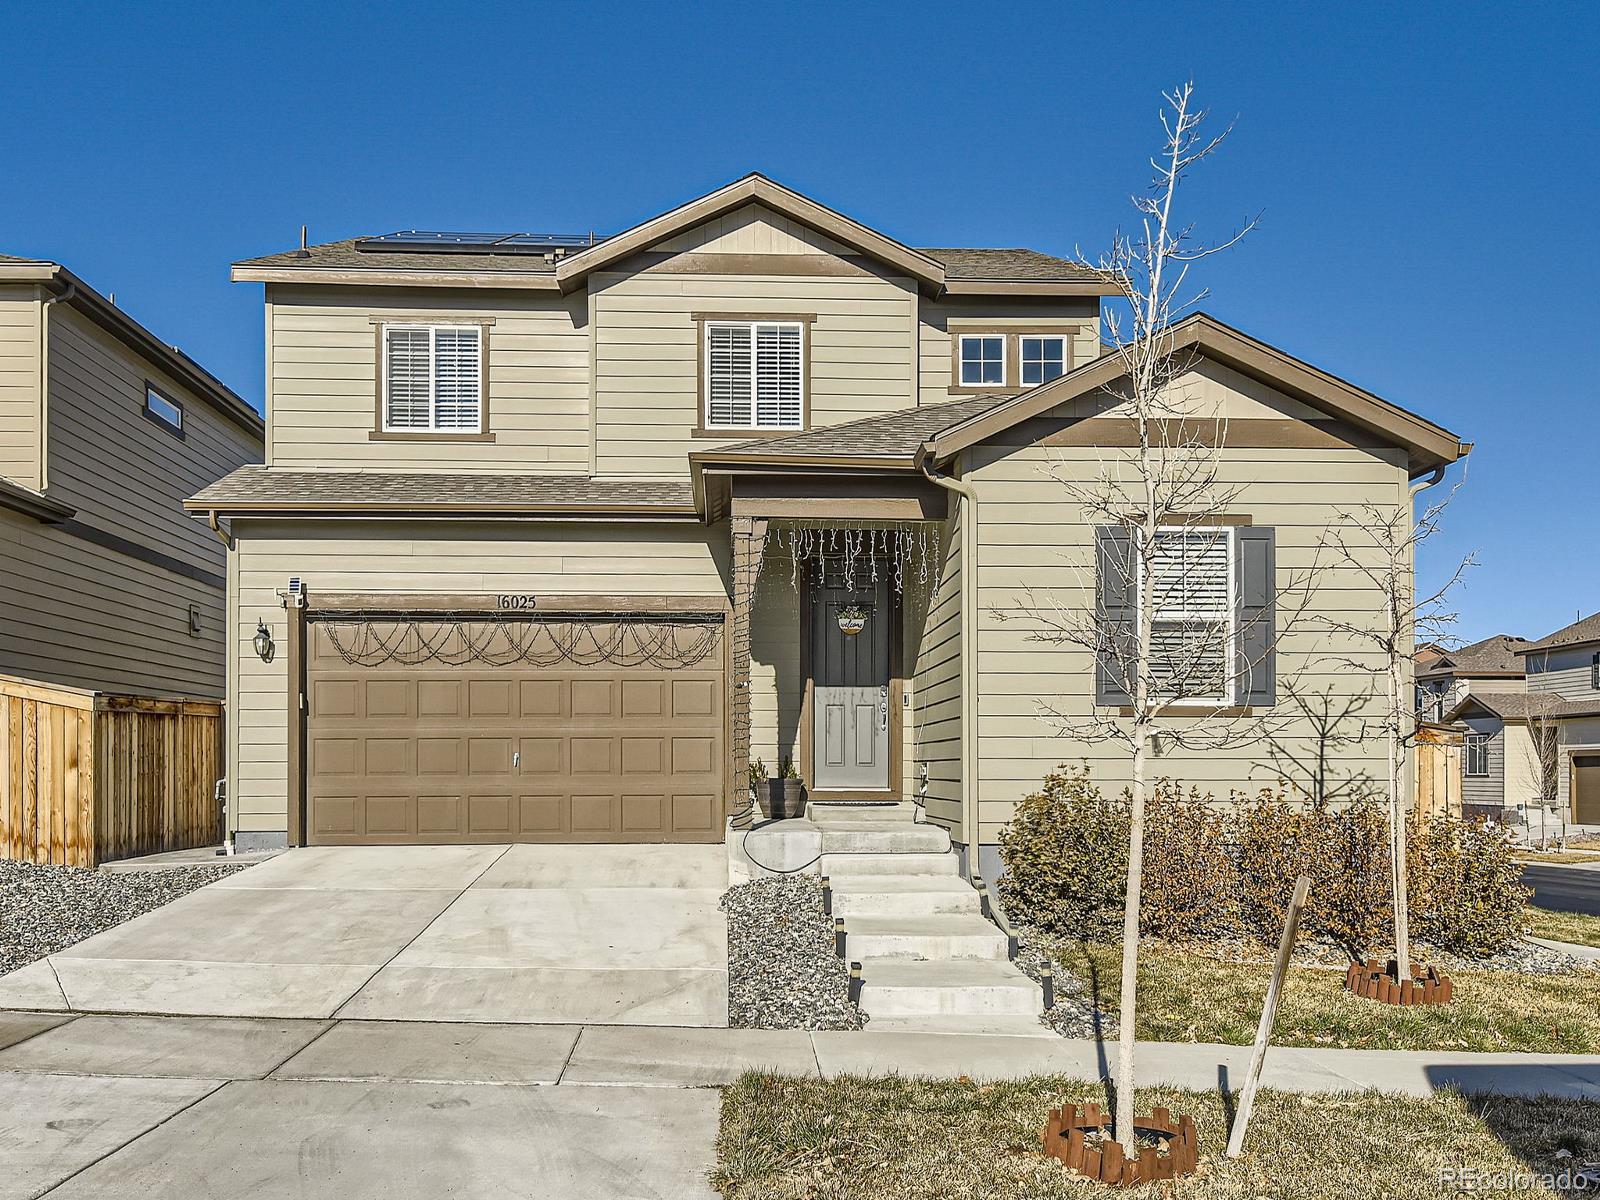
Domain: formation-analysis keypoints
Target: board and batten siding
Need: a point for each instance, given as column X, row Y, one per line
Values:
column 1033, row 536
column 323, row 370
column 420, row 557
column 19, row 386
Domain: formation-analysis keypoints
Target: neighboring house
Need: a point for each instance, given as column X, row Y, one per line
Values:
column 555, row 535
column 1445, row 676
column 105, row 582
column 1566, row 666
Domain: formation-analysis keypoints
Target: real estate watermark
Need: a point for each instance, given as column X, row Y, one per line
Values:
column 1499, row 1182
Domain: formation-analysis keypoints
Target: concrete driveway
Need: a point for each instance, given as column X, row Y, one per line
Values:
column 508, row 934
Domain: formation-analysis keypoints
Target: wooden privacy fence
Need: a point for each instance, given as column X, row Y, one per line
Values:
column 1436, row 761
column 90, row 776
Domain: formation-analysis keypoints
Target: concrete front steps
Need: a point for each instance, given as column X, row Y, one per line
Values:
column 930, row 961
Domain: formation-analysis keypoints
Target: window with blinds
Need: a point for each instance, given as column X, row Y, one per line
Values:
column 433, row 378
column 754, row 375
column 1191, row 575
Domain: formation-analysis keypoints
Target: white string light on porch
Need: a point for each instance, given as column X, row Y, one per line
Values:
column 899, row 553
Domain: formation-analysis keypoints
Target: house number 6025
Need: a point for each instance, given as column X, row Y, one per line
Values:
column 516, row 601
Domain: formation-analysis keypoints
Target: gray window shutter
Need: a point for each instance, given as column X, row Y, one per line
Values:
column 1594, row 672
column 1115, row 612
column 1256, row 651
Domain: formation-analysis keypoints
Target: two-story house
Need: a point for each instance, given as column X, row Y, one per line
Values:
column 1565, row 667
column 106, row 583
column 556, row 534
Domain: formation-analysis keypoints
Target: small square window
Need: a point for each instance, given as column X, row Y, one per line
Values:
column 983, row 360
column 1043, row 359
column 158, row 407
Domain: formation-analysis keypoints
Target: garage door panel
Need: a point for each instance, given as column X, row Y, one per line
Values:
column 486, row 751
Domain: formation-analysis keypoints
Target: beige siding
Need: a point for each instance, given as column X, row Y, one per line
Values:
column 936, row 685
column 777, row 689
column 1521, row 766
column 647, row 399
column 1033, row 536
column 323, row 372
column 1582, row 733
column 78, row 614
column 19, row 386
column 753, row 229
column 550, row 559
column 934, row 339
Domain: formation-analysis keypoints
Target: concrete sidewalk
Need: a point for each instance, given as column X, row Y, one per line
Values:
column 117, row 1105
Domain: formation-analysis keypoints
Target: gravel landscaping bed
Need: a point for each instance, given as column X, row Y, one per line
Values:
column 782, row 969
column 46, row 909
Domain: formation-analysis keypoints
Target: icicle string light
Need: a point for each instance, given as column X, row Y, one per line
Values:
column 901, row 554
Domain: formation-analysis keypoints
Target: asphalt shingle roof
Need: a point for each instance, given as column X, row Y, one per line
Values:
column 1579, row 632
column 1521, row 706
column 1495, row 655
column 974, row 264
column 267, row 488
column 889, row 435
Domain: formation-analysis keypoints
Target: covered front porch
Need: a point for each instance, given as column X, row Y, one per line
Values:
column 839, row 645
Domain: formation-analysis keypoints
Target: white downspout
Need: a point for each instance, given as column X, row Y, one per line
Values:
column 969, row 651
column 68, row 293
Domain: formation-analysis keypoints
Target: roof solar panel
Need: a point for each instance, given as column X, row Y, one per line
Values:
column 478, row 243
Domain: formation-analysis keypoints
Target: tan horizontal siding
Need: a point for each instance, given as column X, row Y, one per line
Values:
column 323, row 372
column 399, row 557
column 935, row 676
column 1033, row 535
column 19, row 386
column 753, row 229
column 933, row 332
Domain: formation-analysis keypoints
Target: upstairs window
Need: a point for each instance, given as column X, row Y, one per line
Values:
column 162, row 410
column 432, row 379
column 1043, row 359
column 755, row 375
column 1477, row 754
column 983, row 360
column 1192, row 631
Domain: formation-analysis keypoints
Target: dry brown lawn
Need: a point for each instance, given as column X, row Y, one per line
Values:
column 892, row 1138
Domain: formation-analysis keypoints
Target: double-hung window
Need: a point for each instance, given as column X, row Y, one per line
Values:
column 983, row 360
column 1192, row 577
column 1043, row 358
column 755, row 375
column 432, row 379
column 1477, row 754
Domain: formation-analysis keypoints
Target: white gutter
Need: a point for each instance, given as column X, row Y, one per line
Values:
column 969, row 652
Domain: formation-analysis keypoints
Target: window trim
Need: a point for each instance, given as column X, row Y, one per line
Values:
column 1230, row 659
column 961, row 360
column 702, row 325
column 176, row 429
column 1482, row 741
column 1012, row 330
column 1022, row 361
column 380, row 431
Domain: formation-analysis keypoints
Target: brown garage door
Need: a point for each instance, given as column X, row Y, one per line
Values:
column 434, row 731
column 1586, row 789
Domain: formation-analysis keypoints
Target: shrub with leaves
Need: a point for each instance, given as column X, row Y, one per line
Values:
column 1466, row 887
column 1352, row 892
column 1066, row 858
column 1191, row 884
column 1274, row 841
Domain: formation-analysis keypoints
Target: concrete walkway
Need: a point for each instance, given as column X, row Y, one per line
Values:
column 111, row 1106
column 583, row 934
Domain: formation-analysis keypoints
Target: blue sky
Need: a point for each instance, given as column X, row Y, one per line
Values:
column 1427, row 175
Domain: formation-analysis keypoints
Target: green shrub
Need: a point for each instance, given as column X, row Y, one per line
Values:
column 1466, row 888
column 1066, row 858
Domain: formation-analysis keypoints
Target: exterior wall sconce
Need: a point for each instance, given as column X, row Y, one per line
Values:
column 263, row 642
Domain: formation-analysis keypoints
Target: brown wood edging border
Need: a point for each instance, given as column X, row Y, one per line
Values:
column 330, row 604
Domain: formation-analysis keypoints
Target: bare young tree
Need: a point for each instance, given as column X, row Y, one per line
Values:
column 1163, row 632
column 1542, row 761
column 1329, row 720
column 1379, row 544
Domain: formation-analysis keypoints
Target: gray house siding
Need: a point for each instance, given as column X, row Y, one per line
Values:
column 1490, row 788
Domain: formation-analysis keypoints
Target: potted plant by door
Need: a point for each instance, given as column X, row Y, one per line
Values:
column 793, row 790
column 760, row 787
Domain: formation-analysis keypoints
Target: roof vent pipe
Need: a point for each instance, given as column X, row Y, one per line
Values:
column 305, row 250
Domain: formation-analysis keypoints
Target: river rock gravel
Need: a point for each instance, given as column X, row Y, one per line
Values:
column 782, row 969
column 44, row 909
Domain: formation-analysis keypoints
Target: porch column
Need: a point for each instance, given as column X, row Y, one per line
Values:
column 749, row 540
